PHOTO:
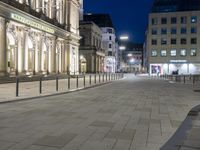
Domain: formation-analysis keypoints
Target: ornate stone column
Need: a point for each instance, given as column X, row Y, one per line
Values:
column 3, row 51
column 25, row 56
column 63, row 56
column 53, row 55
column 41, row 60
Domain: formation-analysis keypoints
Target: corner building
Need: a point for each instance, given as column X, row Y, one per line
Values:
column 39, row 37
column 173, row 37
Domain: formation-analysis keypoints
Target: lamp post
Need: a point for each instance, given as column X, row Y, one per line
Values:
column 123, row 38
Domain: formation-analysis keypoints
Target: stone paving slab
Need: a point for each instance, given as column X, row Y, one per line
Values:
column 137, row 113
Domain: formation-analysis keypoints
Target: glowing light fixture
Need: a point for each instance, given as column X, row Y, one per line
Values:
column 122, row 47
column 124, row 37
column 129, row 55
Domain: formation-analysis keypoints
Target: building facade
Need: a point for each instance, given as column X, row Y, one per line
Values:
column 39, row 37
column 132, row 58
column 92, row 54
column 173, row 38
column 104, row 21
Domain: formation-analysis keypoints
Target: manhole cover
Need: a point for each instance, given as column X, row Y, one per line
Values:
column 196, row 90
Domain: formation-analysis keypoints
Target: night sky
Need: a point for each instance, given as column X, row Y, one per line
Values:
column 129, row 16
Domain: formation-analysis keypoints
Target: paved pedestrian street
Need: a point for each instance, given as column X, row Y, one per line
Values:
column 137, row 113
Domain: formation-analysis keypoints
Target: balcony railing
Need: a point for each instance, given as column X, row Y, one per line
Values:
column 26, row 8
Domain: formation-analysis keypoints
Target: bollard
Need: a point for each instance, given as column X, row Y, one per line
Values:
column 106, row 77
column 57, row 84
column 99, row 78
column 193, row 79
column 90, row 79
column 84, row 81
column 17, row 87
column 40, row 86
column 68, row 83
column 95, row 78
column 103, row 78
column 77, row 82
column 184, row 79
column 109, row 76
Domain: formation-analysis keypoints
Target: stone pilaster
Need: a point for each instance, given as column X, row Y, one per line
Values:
column 3, row 51
column 25, row 56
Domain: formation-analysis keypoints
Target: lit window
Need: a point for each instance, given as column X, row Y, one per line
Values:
column 154, row 53
column 163, row 53
column 194, row 19
column 173, row 52
column 183, row 52
column 193, row 52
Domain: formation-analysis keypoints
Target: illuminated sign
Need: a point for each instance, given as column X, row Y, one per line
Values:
column 178, row 61
column 32, row 23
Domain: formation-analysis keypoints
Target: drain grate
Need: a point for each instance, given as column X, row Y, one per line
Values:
column 196, row 90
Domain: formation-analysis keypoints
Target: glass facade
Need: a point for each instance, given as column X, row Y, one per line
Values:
column 175, row 5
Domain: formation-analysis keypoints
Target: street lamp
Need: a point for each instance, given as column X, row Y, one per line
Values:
column 122, row 47
column 124, row 38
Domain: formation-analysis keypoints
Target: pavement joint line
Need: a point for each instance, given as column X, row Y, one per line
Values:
column 61, row 93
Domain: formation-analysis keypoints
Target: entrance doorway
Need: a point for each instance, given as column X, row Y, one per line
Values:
column 11, row 54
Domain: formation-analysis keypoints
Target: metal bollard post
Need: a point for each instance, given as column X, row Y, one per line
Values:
column 84, row 81
column 184, row 79
column 95, row 78
column 57, row 84
column 68, row 83
column 17, row 87
column 77, row 82
column 99, row 78
column 90, row 79
column 40, row 89
column 193, row 79
column 106, row 77
column 103, row 78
